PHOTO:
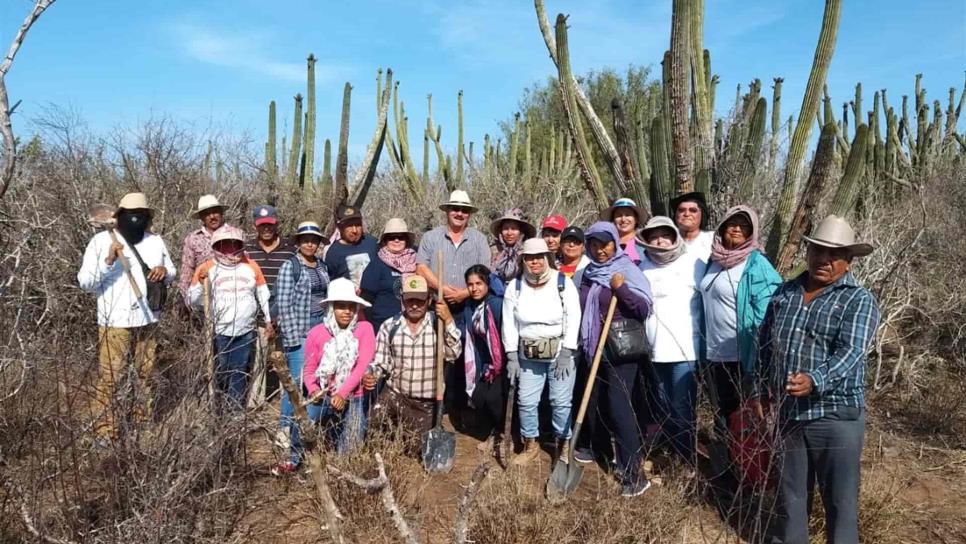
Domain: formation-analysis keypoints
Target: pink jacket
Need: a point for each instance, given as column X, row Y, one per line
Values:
column 314, row 346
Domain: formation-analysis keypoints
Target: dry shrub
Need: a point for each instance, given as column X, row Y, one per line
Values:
column 881, row 515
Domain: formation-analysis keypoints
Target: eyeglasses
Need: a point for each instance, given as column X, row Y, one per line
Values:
column 395, row 238
column 571, row 242
column 691, row 210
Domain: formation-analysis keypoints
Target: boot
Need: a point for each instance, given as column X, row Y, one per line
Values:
column 530, row 452
column 563, row 450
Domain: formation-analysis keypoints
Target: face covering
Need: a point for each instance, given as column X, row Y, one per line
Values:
column 132, row 225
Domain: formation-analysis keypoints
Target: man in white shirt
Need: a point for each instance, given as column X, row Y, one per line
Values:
column 125, row 322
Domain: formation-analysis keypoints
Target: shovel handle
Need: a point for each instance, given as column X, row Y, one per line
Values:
column 127, row 268
column 593, row 368
column 209, row 335
column 440, row 346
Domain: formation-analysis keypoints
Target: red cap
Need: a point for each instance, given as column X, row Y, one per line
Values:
column 555, row 222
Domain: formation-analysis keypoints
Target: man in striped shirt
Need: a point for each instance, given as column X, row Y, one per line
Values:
column 406, row 358
column 812, row 349
column 269, row 252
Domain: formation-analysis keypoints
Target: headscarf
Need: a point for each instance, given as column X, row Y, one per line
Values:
column 543, row 277
column 403, row 262
column 599, row 275
column 339, row 354
column 482, row 325
column 506, row 263
column 728, row 258
column 663, row 256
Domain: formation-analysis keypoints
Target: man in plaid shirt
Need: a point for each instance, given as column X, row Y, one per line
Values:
column 812, row 348
column 406, row 358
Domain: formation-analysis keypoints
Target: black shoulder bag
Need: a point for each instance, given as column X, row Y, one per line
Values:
column 157, row 292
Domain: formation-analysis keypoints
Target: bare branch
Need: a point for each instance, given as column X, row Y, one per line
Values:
column 461, row 525
column 381, row 484
column 6, row 128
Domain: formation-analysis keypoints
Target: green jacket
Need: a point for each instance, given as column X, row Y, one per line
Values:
column 757, row 284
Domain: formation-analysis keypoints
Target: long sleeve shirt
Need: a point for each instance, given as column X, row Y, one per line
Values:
column 294, row 299
column 544, row 312
column 409, row 359
column 116, row 304
column 314, row 348
column 237, row 294
column 828, row 339
column 674, row 328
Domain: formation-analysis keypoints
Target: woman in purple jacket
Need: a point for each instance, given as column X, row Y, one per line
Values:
column 612, row 273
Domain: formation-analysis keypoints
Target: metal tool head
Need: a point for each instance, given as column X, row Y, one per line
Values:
column 101, row 216
column 439, row 450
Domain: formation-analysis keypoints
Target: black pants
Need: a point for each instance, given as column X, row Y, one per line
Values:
column 826, row 451
column 722, row 383
column 617, row 388
column 489, row 402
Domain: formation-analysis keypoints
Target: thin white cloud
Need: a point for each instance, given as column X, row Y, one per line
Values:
column 241, row 49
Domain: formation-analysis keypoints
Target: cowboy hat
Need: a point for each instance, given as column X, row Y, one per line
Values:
column 513, row 214
column 343, row 290
column 399, row 226
column 207, row 202
column 608, row 213
column 836, row 232
column 458, row 198
column 134, row 201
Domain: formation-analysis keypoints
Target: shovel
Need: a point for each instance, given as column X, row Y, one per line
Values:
column 566, row 473
column 439, row 445
column 209, row 337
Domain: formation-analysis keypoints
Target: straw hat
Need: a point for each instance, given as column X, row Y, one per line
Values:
column 398, row 226
column 205, row 203
column 836, row 232
column 309, row 227
column 608, row 213
column 134, row 201
column 534, row 246
column 513, row 214
column 458, row 198
column 343, row 290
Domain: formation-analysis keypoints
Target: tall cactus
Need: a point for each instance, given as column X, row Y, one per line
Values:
column 751, row 155
column 855, row 175
column 459, row 139
column 271, row 158
column 661, row 186
column 678, row 95
column 327, row 179
column 703, row 115
column 342, row 159
column 308, row 166
column 803, row 129
column 294, row 152
column 776, row 121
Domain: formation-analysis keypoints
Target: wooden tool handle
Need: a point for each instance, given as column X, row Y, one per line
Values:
column 440, row 326
column 127, row 268
column 593, row 368
column 209, row 335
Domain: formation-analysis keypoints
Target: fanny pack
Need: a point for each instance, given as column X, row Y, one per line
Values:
column 627, row 339
column 539, row 348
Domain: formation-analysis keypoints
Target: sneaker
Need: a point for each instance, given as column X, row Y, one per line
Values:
column 583, row 456
column 635, row 487
column 282, row 469
column 282, row 440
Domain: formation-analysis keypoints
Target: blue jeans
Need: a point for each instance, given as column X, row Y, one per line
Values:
column 534, row 375
column 233, row 355
column 345, row 429
column 296, row 360
column 675, row 390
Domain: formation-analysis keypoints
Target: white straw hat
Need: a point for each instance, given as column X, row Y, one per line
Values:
column 207, row 202
column 343, row 290
column 398, row 226
column 836, row 232
column 458, row 198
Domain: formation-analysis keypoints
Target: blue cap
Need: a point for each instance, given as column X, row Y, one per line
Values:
column 265, row 215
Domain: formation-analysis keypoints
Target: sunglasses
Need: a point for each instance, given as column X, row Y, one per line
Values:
column 395, row 238
column 461, row 209
column 691, row 210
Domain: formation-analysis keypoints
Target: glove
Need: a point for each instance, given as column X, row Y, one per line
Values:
column 512, row 368
column 563, row 365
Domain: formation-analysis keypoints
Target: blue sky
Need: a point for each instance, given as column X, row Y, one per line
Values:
column 217, row 63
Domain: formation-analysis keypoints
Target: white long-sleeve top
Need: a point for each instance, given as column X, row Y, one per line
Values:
column 237, row 293
column 538, row 313
column 116, row 304
column 674, row 326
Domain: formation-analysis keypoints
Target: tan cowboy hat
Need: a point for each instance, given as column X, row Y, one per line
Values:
column 207, row 202
column 836, row 232
column 134, row 201
column 458, row 198
column 513, row 214
column 399, row 226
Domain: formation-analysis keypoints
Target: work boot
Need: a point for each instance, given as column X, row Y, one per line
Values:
column 563, row 450
column 530, row 452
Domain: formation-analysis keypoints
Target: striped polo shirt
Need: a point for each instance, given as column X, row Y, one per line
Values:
column 270, row 263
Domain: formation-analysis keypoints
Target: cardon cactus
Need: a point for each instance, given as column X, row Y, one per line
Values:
column 854, row 177
column 342, row 159
column 308, row 166
column 661, row 186
column 678, row 95
column 271, row 158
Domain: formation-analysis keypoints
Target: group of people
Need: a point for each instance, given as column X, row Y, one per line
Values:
column 355, row 318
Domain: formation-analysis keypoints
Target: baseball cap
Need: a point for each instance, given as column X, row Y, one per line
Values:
column 415, row 287
column 265, row 215
column 344, row 213
column 573, row 232
column 555, row 222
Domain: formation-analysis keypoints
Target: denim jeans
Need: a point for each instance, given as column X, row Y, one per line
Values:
column 296, row 360
column 675, row 390
column 233, row 355
column 345, row 429
column 534, row 375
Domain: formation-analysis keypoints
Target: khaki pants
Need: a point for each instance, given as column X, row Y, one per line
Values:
column 115, row 348
column 258, row 386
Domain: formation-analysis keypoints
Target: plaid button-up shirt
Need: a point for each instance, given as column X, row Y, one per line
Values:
column 295, row 301
column 409, row 360
column 828, row 339
column 195, row 250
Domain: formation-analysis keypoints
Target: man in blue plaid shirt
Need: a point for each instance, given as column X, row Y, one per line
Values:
column 812, row 349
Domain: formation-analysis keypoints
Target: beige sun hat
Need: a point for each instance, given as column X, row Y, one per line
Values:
column 458, row 198
column 836, row 232
column 399, row 226
column 513, row 214
column 343, row 290
column 207, row 202
column 227, row 233
column 534, row 246
column 134, row 201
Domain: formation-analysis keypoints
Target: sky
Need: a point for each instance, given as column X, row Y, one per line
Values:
column 214, row 65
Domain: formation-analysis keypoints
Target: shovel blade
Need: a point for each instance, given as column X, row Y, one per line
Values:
column 563, row 480
column 439, row 450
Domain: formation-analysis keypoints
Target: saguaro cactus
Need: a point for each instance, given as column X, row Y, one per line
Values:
column 678, row 95
column 854, row 177
column 271, row 157
column 342, row 159
column 661, row 186
column 308, row 165
column 293, row 154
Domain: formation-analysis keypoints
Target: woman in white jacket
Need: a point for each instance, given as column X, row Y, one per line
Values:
column 541, row 319
column 673, row 330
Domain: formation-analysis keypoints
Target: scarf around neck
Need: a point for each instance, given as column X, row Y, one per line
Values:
column 506, row 263
column 729, row 258
column 538, row 279
column 339, row 354
column 403, row 262
column 482, row 326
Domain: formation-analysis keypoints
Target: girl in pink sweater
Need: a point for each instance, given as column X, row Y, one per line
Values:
column 337, row 353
